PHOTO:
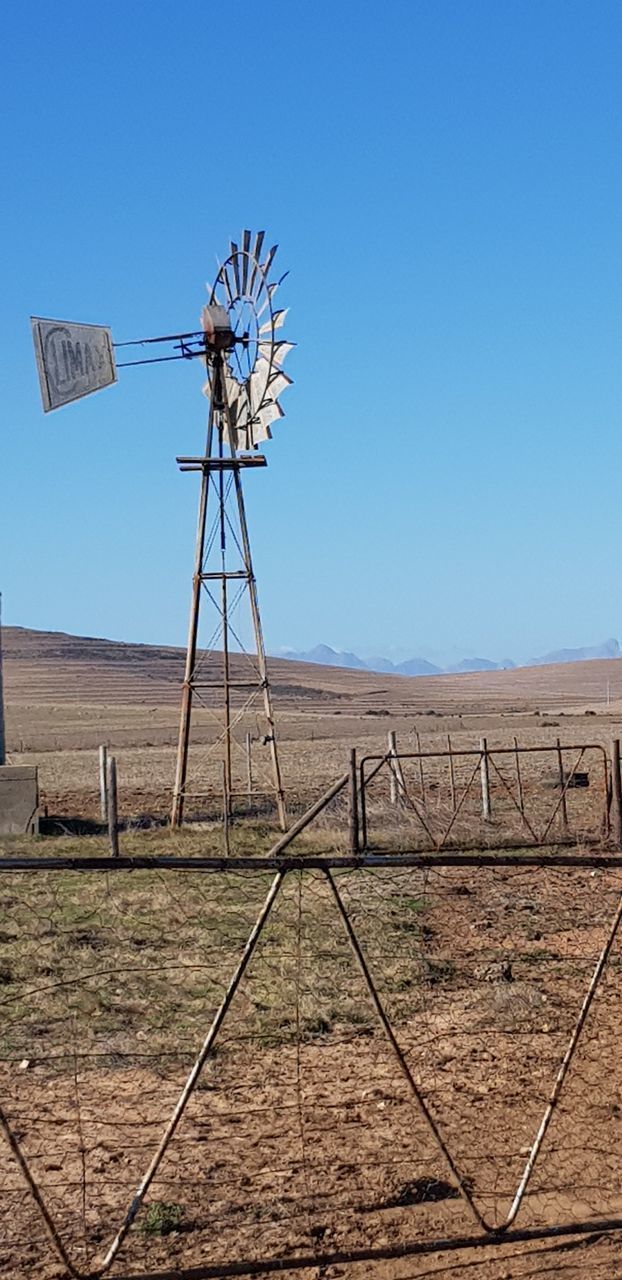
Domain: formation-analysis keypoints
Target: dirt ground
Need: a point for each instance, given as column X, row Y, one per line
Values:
column 303, row 1136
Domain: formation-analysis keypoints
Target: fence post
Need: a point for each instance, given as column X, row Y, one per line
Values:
column 616, row 793
column 485, row 779
column 363, row 808
column 519, row 780
column 225, row 808
column 103, row 782
column 562, row 782
column 353, row 807
column 398, row 786
column 392, row 775
column 421, row 776
column 111, row 805
column 249, row 768
column 452, row 778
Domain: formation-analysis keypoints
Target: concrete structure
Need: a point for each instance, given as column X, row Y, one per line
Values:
column 2, row 737
column 19, row 800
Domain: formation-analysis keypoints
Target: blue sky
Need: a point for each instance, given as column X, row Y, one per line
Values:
column 445, row 185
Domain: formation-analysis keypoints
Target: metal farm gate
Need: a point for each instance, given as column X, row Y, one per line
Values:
column 495, row 797
column 216, row 1068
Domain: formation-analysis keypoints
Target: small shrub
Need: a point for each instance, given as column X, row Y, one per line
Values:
column 161, row 1218
column 416, row 904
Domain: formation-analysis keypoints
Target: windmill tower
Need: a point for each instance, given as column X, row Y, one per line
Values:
column 243, row 353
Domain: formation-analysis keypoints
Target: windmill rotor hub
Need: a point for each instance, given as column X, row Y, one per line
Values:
column 219, row 335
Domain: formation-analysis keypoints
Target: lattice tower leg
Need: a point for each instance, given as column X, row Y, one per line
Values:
column 190, row 680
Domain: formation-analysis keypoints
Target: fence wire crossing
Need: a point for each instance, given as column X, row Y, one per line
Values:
column 228, row 1072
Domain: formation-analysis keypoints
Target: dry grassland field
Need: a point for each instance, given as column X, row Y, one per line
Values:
column 303, row 1136
column 65, row 695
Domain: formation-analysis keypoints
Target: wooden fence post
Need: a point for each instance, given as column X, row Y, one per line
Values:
column 485, row 779
column 111, row 805
column 353, row 805
column 103, row 782
column 616, row 793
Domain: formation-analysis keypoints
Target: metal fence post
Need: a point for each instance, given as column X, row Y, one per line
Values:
column 392, row 776
column 452, row 776
column 616, row 793
column 563, row 808
column 519, row 780
column 249, row 768
column 363, row 809
column 421, row 773
column 353, row 807
column 485, row 779
column 225, row 808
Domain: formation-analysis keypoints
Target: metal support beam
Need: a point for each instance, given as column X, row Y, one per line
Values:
column 230, row 531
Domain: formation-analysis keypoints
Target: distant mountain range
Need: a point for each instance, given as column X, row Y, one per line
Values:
column 324, row 656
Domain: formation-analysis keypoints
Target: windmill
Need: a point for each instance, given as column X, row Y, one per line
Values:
column 241, row 345
column 244, row 355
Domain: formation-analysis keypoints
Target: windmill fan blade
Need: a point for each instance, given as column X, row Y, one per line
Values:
column 261, row 423
column 278, row 383
column 212, row 289
column 232, row 408
column 258, row 245
column 261, row 432
column 253, row 380
column 269, row 260
column 226, row 284
column 232, row 390
column 276, row 352
column 271, row 411
column 259, row 239
column 246, row 247
column 236, row 268
column 272, row 288
column 232, row 423
column 276, row 322
column 258, row 384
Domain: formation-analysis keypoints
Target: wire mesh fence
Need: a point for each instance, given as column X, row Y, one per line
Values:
column 313, row 1064
column 486, row 797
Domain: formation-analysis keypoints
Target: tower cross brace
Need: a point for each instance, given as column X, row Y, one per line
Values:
column 214, row 470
